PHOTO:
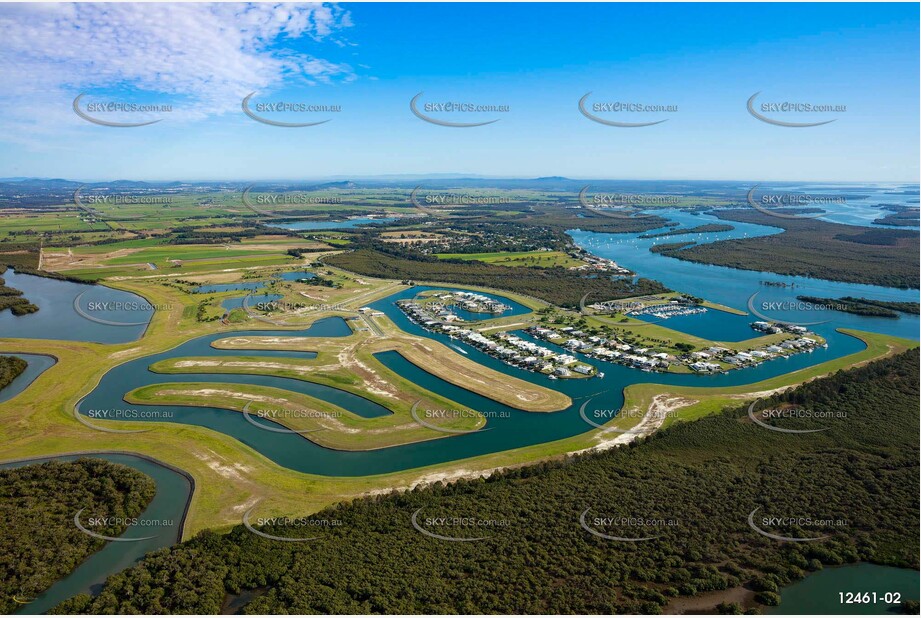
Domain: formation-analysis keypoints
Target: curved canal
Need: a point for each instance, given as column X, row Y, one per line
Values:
column 509, row 428
column 168, row 508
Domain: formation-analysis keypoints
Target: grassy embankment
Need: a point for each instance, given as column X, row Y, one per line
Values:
column 542, row 259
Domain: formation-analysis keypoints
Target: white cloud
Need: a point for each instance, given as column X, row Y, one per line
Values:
column 208, row 56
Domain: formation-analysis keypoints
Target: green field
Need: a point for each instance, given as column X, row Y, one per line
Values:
column 544, row 259
column 161, row 256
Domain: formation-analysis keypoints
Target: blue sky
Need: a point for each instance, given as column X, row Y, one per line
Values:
column 537, row 59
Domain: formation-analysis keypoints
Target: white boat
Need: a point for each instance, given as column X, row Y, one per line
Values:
column 459, row 349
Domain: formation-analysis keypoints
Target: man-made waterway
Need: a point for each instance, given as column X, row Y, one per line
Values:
column 167, row 509
column 37, row 364
column 515, row 428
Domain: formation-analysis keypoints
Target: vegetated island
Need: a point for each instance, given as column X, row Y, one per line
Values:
column 12, row 299
column 900, row 215
column 11, row 367
column 700, row 229
column 668, row 247
column 864, row 306
column 862, row 471
column 40, row 543
column 814, row 248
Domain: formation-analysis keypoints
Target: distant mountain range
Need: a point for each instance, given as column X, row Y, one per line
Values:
column 24, row 191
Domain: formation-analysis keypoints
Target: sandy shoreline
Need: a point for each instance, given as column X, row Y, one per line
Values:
column 658, row 410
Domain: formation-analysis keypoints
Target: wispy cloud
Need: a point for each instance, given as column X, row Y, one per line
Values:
column 208, row 56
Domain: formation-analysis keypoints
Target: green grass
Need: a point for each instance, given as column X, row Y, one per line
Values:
column 160, row 255
column 544, row 259
column 133, row 243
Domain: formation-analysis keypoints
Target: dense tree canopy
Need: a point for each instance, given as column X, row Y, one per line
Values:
column 697, row 482
column 558, row 286
column 10, row 368
column 39, row 542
